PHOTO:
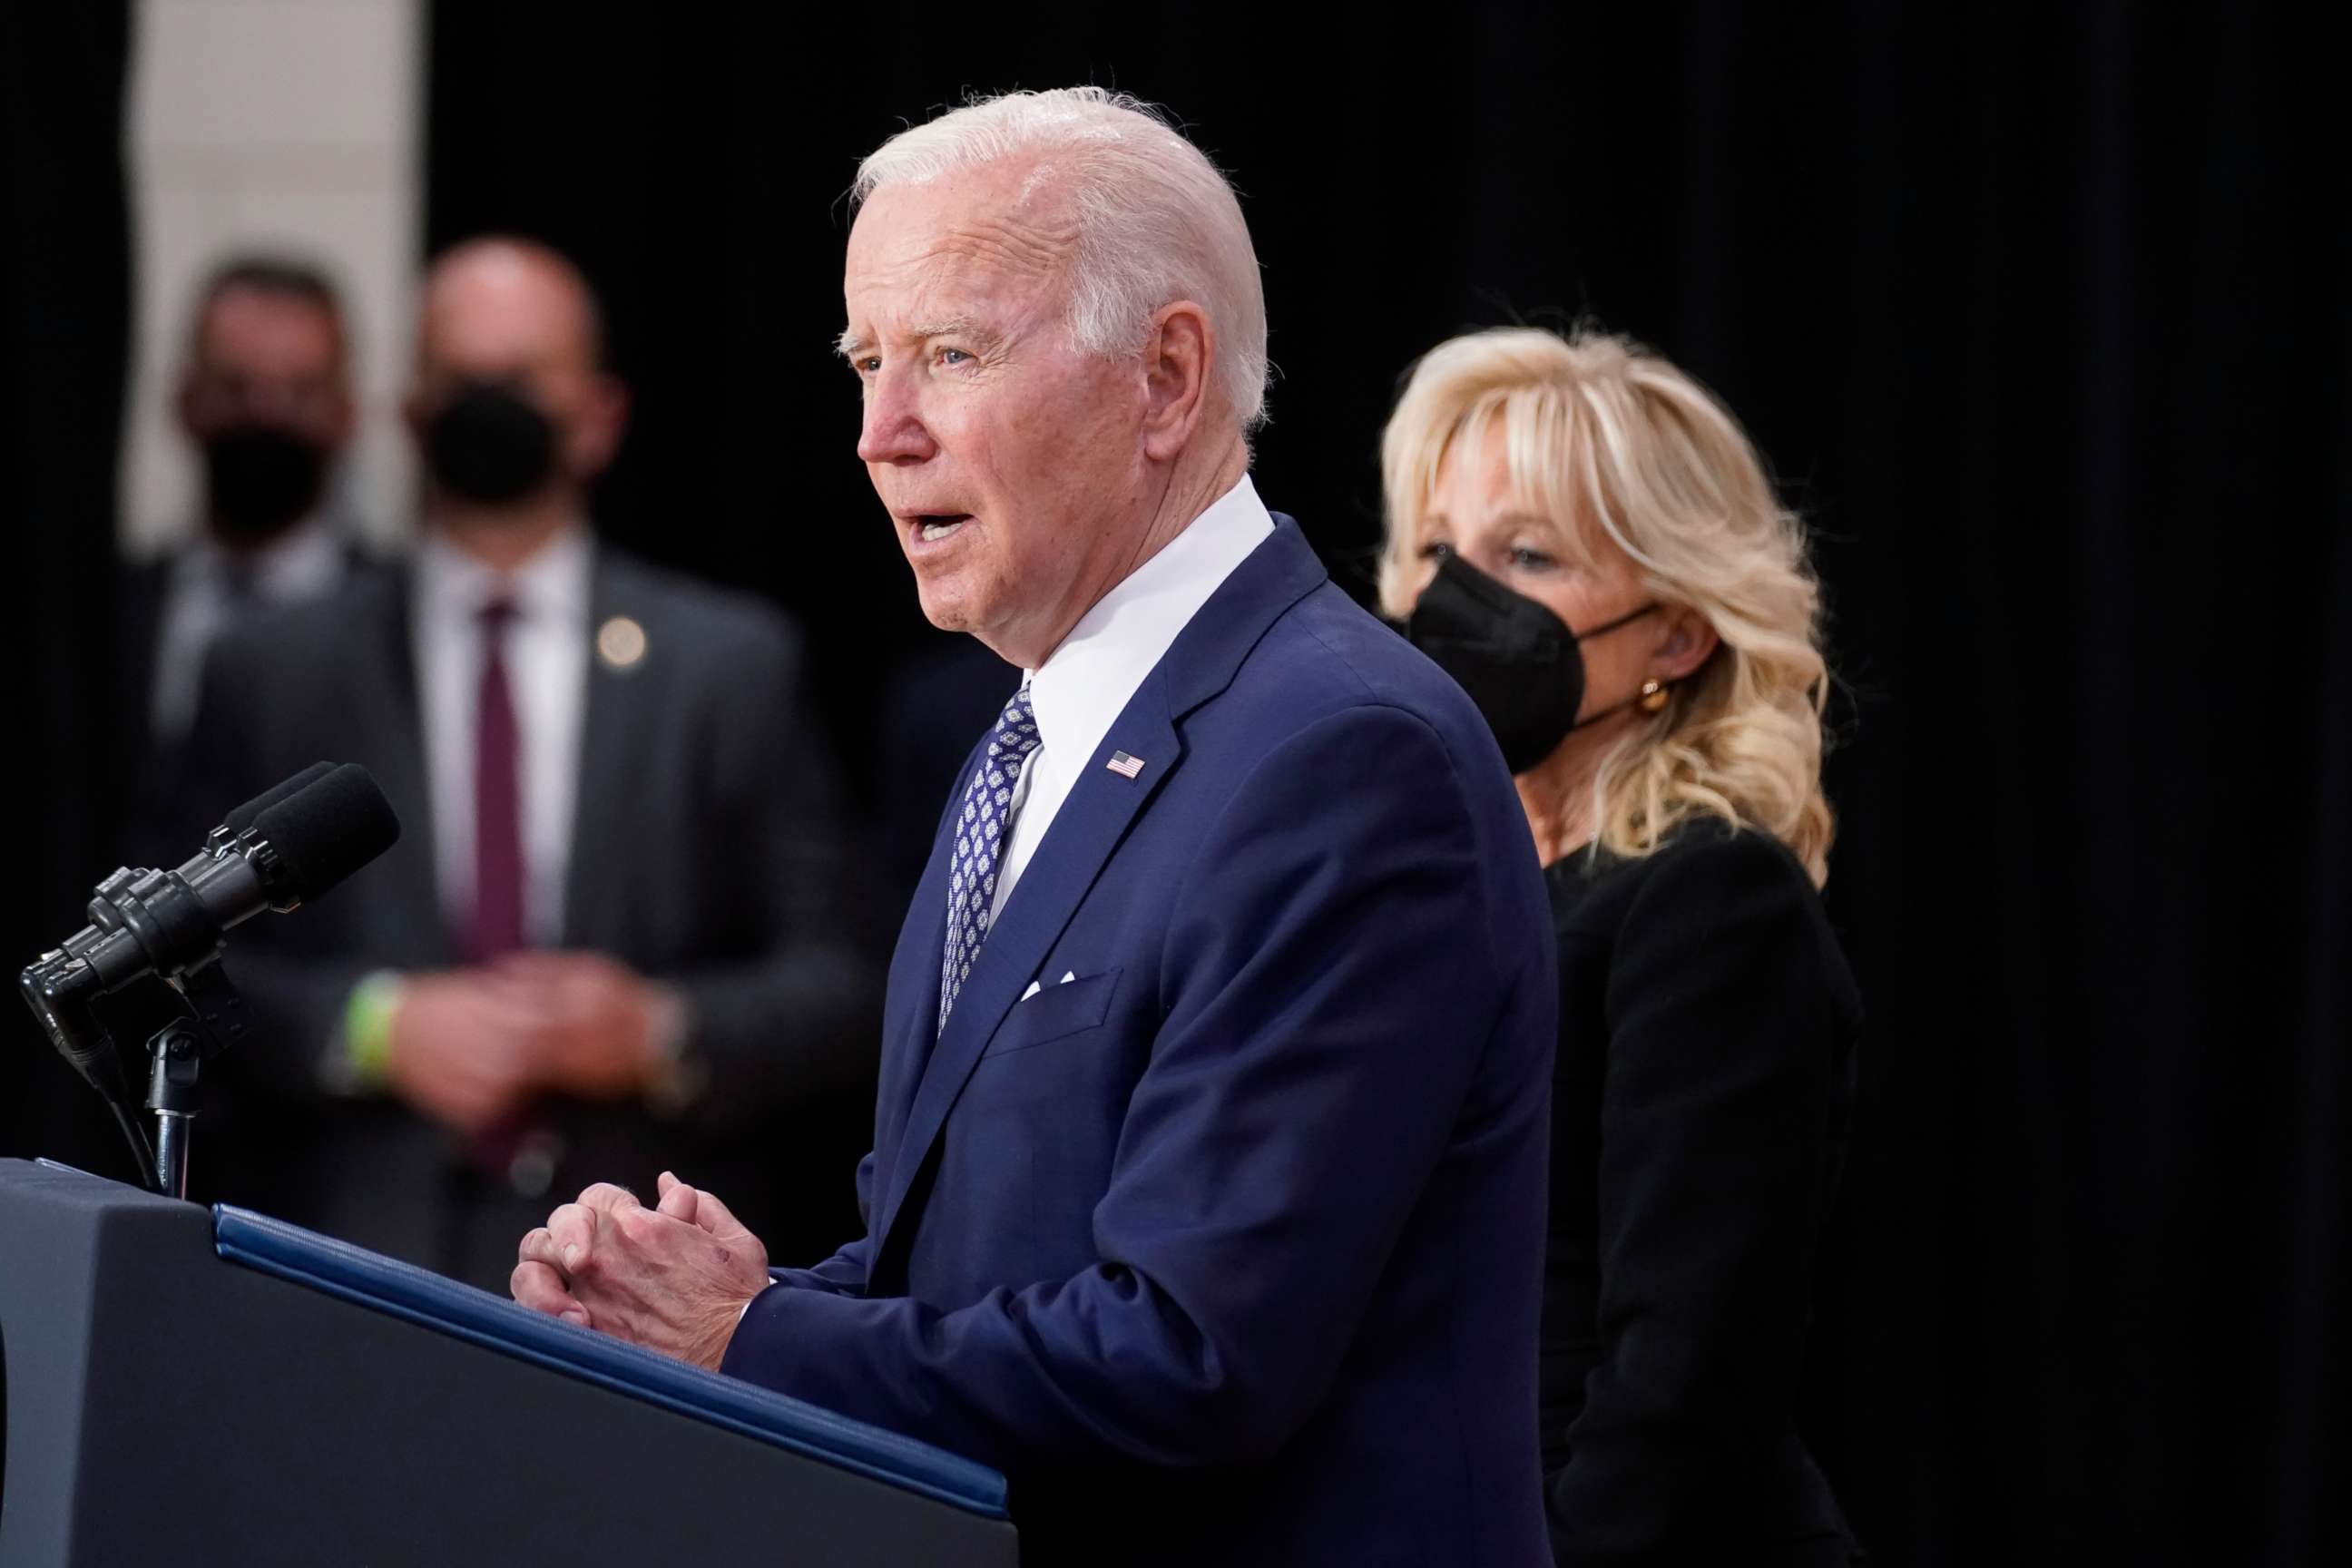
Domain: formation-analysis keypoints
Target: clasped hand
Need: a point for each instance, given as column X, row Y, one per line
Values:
column 674, row 1278
column 469, row 1045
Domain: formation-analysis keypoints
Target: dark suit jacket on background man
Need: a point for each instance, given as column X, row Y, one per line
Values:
column 707, row 852
column 151, row 747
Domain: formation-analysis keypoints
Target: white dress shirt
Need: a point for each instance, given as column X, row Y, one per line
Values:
column 305, row 561
column 546, row 647
column 1086, row 682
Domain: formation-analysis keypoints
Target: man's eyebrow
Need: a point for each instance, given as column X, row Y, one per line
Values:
column 968, row 328
column 852, row 344
column 951, row 327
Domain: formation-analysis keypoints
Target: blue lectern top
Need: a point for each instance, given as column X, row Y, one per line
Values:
column 384, row 1285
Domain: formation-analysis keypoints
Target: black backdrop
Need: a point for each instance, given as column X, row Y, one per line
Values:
column 64, row 311
column 2043, row 320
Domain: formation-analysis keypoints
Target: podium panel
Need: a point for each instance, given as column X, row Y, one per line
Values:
column 233, row 1390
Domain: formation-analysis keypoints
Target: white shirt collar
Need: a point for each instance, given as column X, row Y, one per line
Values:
column 552, row 584
column 1086, row 682
column 304, row 561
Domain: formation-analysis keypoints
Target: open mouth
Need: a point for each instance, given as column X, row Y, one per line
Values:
column 932, row 527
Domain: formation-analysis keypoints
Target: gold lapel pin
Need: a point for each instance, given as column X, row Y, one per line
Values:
column 620, row 643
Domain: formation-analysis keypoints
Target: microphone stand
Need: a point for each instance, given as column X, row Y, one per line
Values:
column 214, row 1019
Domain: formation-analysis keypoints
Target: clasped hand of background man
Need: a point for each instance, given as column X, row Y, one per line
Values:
column 674, row 1278
column 470, row 1046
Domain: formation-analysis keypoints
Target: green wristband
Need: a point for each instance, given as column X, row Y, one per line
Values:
column 367, row 1029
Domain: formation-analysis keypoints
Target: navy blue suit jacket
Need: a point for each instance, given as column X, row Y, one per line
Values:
column 1229, row 1248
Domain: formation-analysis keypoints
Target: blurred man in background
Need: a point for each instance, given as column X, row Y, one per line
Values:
column 614, row 930
column 265, row 399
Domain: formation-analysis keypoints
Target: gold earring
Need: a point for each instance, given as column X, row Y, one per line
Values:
column 1653, row 695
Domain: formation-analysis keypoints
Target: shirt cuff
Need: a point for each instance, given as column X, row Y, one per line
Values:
column 358, row 1060
column 679, row 1074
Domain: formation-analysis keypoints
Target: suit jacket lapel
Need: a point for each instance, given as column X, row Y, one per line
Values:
column 1092, row 820
column 620, row 702
column 911, row 1006
column 398, row 756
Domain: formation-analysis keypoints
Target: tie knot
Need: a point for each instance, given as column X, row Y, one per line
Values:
column 498, row 614
column 1016, row 734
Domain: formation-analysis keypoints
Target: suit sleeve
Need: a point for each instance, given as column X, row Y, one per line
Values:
column 793, row 1020
column 1725, row 1020
column 1330, row 988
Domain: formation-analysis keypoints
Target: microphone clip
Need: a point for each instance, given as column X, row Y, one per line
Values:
column 211, row 1020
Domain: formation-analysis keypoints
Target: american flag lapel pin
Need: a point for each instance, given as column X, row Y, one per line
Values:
column 1125, row 766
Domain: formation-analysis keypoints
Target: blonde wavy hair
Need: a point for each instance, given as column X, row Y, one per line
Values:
column 1618, row 447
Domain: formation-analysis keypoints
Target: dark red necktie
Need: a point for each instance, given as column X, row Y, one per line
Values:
column 496, row 925
column 497, row 801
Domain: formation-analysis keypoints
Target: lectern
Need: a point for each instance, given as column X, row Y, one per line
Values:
column 215, row 1387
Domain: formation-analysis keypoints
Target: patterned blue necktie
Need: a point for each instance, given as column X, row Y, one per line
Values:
column 982, row 829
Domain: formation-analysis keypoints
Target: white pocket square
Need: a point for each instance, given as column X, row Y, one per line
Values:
column 1036, row 986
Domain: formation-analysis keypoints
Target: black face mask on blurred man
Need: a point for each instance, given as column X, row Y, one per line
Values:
column 1519, row 662
column 260, row 480
column 490, row 445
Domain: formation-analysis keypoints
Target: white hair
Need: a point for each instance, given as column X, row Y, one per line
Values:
column 1156, row 220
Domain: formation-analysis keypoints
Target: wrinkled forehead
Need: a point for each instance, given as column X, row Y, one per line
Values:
column 991, row 242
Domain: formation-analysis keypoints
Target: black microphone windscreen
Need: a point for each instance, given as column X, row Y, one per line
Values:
column 326, row 832
column 243, row 816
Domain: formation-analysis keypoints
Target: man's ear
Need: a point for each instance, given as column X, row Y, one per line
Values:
column 1177, row 352
column 184, row 405
column 597, row 429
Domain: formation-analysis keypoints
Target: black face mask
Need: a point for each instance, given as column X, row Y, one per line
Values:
column 489, row 443
column 260, row 480
column 1517, row 661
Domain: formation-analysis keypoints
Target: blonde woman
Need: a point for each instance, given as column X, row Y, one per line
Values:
column 1584, row 537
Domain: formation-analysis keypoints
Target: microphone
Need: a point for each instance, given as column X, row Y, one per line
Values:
column 300, row 840
column 160, row 932
column 284, row 845
column 241, row 818
column 105, row 919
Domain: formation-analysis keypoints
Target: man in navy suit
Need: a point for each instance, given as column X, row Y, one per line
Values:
column 1207, row 1187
